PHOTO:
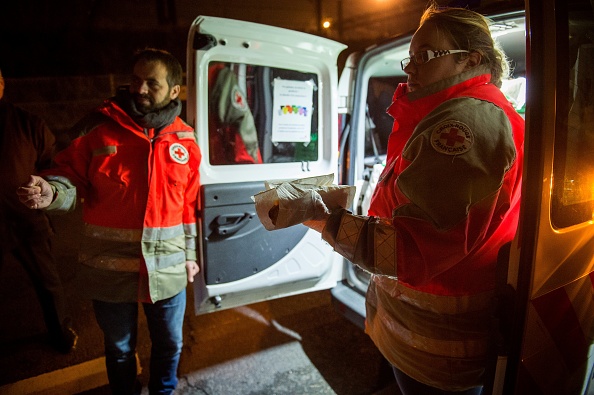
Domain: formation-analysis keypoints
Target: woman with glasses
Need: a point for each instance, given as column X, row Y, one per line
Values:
column 446, row 203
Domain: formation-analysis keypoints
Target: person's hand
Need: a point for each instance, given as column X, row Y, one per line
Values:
column 192, row 269
column 36, row 193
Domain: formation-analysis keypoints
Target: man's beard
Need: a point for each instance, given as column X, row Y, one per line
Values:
column 151, row 106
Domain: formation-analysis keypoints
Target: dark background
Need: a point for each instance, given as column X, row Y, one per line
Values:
column 93, row 37
column 86, row 37
column 61, row 58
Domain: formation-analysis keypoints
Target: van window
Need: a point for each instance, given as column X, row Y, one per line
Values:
column 378, row 124
column 260, row 114
column 573, row 167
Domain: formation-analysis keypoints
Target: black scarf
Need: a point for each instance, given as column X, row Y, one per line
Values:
column 153, row 120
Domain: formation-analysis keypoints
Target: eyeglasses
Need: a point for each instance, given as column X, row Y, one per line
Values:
column 425, row 56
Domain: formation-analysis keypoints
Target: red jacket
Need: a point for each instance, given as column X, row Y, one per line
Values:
column 140, row 201
column 445, row 204
column 452, row 212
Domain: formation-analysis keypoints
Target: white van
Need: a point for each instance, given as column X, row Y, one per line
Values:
column 268, row 104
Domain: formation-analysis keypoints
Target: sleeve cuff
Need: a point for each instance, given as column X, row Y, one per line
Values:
column 330, row 231
column 191, row 255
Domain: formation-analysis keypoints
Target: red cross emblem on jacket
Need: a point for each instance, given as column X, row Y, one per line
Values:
column 179, row 153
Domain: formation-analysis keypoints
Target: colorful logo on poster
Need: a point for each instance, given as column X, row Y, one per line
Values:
column 297, row 110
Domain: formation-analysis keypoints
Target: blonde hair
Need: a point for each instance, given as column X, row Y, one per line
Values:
column 469, row 30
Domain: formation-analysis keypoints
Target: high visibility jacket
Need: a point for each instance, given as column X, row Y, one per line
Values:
column 140, row 200
column 445, row 204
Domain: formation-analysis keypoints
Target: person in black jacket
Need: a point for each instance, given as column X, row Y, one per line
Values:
column 26, row 147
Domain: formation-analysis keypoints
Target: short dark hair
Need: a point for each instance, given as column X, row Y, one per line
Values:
column 174, row 68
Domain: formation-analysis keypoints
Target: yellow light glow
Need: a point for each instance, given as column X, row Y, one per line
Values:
column 326, row 24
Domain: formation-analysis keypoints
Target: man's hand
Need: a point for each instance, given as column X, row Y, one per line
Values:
column 36, row 193
column 192, row 269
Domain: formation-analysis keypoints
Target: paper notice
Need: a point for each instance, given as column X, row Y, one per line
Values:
column 287, row 203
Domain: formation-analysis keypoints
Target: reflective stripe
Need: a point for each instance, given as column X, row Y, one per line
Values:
column 384, row 244
column 159, row 262
column 110, row 263
column 161, row 247
column 408, row 336
column 191, row 243
column 379, row 255
column 441, row 304
column 468, row 348
column 65, row 194
column 157, row 234
column 191, row 229
column 186, row 136
column 348, row 235
column 107, row 150
column 114, row 234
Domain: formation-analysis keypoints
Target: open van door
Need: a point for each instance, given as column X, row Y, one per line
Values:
column 550, row 323
column 263, row 102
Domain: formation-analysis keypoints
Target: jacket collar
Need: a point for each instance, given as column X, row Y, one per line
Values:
column 428, row 97
column 113, row 110
column 409, row 108
column 151, row 120
column 479, row 74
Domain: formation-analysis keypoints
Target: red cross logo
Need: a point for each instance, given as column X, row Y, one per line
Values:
column 452, row 138
column 179, row 153
column 238, row 100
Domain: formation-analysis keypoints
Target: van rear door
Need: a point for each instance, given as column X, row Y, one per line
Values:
column 263, row 102
column 550, row 320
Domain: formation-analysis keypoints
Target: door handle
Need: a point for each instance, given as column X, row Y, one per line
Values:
column 228, row 224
